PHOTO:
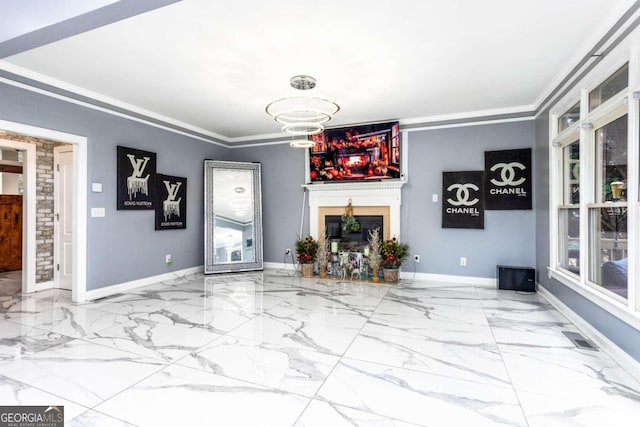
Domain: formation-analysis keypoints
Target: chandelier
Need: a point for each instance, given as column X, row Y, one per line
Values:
column 302, row 115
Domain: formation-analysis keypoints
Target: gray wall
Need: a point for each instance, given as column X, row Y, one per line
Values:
column 282, row 177
column 508, row 237
column 124, row 246
column 619, row 332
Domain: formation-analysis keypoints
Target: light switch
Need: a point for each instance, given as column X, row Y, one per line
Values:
column 434, row 197
column 96, row 187
column 97, row 212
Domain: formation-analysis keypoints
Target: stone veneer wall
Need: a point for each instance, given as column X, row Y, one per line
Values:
column 44, row 202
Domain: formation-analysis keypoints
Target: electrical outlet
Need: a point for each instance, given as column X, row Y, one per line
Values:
column 416, row 258
column 287, row 251
column 168, row 260
column 463, row 261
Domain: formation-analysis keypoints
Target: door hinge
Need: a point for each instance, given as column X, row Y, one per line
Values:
column 58, row 167
column 57, row 267
column 57, row 217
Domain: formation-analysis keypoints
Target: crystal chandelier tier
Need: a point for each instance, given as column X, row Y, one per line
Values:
column 302, row 114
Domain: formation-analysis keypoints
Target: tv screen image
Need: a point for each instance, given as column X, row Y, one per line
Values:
column 356, row 153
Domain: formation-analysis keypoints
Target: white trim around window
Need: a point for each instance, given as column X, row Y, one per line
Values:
column 626, row 102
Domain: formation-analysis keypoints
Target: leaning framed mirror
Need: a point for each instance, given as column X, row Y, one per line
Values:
column 233, row 217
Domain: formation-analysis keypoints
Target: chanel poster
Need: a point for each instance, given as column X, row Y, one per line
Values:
column 508, row 179
column 136, row 175
column 462, row 205
column 171, row 206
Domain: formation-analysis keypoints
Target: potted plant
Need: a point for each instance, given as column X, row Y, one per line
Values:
column 323, row 254
column 393, row 253
column 307, row 250
column 374, row 258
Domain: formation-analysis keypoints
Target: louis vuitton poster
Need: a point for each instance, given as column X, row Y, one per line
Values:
column 171, row 205
column 136, row 178
column 462, row 199
column 508, row 177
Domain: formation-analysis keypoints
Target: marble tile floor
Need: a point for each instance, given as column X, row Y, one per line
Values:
column 267, row 349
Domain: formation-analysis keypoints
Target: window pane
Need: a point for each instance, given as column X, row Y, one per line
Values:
column 571, row 173
column 611, row 142
column 608, row 248
column 609, row 87
column 569, row 239
column 569, row 118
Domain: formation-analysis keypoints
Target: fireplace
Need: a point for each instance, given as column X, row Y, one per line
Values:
column 354, row 240
column 381, row 199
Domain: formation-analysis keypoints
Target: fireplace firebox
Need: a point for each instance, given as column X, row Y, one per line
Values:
column 353, row 240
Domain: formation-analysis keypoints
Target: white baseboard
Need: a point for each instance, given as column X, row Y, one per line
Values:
column 95, row 294
column 626, row 362
column 454, row 280
column 426, row 277
column 43, row 286
column 279, row 266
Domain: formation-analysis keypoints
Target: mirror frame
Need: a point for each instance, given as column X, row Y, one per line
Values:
column 210, row 266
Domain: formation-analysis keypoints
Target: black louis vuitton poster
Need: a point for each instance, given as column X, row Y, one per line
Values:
column 171, row 205
column 136, row 178
column 462, row 204
column 508, row 179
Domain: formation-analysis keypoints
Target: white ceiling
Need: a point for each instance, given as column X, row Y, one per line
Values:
column 215, row 65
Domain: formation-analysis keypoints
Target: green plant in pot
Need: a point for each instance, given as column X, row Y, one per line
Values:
column 393, row 253
column 307, row 251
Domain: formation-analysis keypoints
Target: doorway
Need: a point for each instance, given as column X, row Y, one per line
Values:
column 27, row 215
column 78, row 208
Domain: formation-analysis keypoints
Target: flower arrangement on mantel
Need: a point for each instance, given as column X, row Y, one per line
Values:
column 307, row 250
column 393, row 253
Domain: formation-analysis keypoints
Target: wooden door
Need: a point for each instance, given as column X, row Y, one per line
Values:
column 10, row 232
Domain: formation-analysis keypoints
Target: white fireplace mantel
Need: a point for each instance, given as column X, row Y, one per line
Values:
column 379, row 193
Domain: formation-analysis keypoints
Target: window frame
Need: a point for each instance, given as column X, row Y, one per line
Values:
column 625, row 102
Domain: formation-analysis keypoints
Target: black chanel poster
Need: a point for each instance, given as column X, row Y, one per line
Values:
column 136, row 178
column 462, row 204
column 508, row 179
column 171, row 210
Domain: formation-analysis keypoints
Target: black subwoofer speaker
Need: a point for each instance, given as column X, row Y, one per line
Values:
column 516, row 278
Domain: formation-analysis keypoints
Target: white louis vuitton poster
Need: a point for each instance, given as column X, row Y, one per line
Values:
column 136, row 179
column 171, row 205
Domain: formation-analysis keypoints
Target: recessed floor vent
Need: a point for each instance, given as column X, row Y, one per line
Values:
column 579, row 341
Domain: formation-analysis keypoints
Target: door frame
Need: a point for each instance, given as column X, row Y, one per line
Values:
column 28, row 211
column 79, row 209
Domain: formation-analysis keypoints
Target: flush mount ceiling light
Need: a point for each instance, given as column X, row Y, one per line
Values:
column 302, row 114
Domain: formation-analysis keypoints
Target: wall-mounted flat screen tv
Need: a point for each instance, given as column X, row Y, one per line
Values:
column 356, row 153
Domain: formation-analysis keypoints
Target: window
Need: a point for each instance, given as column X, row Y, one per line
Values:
column 608, row 215
column 569, row 118
column 569, row 210
column 609, row 88
column 590, row 189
